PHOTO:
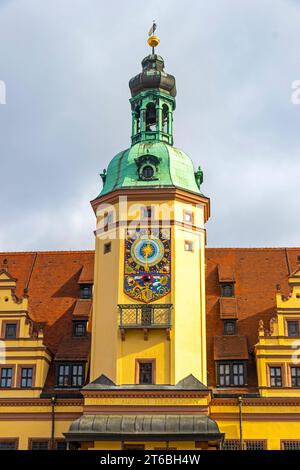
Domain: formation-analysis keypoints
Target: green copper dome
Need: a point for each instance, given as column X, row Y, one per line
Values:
column 170, row 168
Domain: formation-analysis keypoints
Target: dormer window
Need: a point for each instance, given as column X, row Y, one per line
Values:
column 227, row 290
column 79, row 328
column 86, row 291
column 229, row 327
column 147, row 172
column 231, row 374
column 70, row 375
column 147, row 166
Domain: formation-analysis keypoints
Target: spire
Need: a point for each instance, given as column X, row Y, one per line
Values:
column 152, row 100
column 153, row 41
column 152, row 161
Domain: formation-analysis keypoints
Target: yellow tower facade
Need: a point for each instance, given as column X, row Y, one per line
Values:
column 169, row 332
column 149, row 293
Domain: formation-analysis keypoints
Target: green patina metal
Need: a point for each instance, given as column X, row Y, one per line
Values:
column 152, row 116
column 174, row 170
column 152, row 161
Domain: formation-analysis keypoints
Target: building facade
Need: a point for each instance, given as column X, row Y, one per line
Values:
column 152, row 341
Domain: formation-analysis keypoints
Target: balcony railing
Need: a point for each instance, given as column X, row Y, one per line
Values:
column 152, row 135
column 145, row 316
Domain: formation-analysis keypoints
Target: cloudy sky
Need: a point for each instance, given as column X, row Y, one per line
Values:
column 66, row 66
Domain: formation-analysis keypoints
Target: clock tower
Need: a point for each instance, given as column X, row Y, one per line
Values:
column 148, row 324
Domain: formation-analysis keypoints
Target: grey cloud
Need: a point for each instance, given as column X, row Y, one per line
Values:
column 66, row 65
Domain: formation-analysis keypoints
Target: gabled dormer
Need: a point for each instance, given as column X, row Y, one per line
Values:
column 290, row 303
column 24, row 358
column 231, row 348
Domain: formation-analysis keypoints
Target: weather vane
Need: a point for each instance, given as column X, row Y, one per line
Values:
column 153, row 41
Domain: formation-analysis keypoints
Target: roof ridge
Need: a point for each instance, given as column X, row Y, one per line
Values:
column 31, row 269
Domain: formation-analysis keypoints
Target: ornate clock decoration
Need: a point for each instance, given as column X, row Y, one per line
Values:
column 147, row 264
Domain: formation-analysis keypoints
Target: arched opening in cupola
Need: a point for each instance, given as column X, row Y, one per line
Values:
column 151, row 124
column 165, row 118
column 137, row 116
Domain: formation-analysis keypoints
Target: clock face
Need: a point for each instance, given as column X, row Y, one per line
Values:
column 147, row 265
column 147, row 251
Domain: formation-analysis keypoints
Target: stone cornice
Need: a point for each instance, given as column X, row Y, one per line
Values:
column 171, row 392
column 40, row 402
column 260, row 401
column 155, row 194
column 144, row 394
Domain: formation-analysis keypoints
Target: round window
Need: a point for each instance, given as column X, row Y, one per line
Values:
column 147, row 172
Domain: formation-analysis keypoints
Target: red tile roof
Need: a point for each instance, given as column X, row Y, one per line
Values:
column 82, row 308
column 53, row 281
column 257, row 272
column 87, row 273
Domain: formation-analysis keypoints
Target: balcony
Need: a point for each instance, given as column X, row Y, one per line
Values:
column 145, row 317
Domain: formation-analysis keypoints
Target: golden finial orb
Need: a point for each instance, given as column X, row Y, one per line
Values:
column 153, row 41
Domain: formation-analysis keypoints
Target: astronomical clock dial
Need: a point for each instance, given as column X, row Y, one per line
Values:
column 147, row 265
column 147, row 252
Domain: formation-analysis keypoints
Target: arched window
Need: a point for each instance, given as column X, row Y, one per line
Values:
column 150, row 117
column 138, row 119
column 165, row 118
